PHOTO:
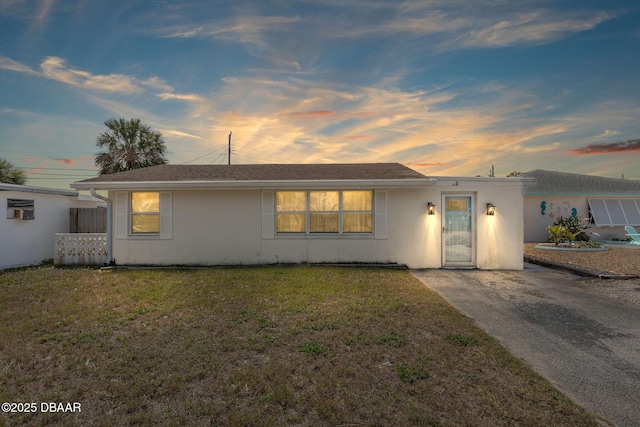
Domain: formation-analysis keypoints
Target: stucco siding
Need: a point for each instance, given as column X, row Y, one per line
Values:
column 227, row 227
column 541, row 212
column 27, row 242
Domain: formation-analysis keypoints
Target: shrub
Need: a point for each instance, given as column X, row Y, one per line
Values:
column 574, row 225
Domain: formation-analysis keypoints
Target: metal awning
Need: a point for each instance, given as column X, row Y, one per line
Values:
column 614, row 212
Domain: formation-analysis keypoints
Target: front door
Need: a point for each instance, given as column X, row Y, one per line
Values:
column 458, row 231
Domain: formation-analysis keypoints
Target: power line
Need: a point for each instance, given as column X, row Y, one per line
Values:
column 208, row 154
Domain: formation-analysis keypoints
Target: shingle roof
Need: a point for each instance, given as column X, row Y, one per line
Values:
column 563, row 183
column 263, row 172
column 260, row 173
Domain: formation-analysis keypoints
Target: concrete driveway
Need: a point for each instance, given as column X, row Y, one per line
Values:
column 586, row 345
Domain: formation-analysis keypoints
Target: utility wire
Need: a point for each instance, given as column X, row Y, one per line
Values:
column 208, row 154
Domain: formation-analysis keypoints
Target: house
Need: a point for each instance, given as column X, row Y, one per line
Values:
column 33, row 216
column 608, row 204
column 311, row 213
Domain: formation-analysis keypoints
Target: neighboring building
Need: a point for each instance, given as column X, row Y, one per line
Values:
column 33, row 216
column 607, row 203
column 311, row 213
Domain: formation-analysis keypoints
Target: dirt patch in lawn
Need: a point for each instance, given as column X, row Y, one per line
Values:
column 257, row 346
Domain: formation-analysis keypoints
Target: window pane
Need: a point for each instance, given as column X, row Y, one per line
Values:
column 291, row 201
column 357, row 223
column 357, row 200
column 145, row 202
column 145, row 224
column 326, row 201
column 323, row 223
column 291, row 223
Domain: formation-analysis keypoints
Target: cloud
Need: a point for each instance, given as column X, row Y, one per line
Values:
column 244, row 29
column 311, row 114
column 63, row 161
column 357, row 137
column 180, row 97
column 428, row 165
column 177, row 133
column 43, row 15
column 255, row 32
column 631, row 145
column 10, row 64
column 56, row 69
column 532, row 28
column 609, row 132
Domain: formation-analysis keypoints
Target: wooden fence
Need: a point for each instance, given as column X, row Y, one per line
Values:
column 88, row 220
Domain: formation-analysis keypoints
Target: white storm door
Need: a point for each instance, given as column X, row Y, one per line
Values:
column 458, row 248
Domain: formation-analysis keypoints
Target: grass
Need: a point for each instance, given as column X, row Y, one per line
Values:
column 257, row 346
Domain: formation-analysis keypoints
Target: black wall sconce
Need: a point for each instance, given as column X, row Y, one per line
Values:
column 431, row 209
column 491, row 209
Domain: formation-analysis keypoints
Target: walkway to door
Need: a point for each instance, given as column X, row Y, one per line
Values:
column 587, row 345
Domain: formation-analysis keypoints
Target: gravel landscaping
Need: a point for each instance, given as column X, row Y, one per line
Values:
column 618, row 260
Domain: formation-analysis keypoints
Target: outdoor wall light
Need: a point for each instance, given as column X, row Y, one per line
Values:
column 431, row 209
column 491, row 209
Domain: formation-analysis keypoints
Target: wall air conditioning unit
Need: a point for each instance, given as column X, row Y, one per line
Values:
column 24, row 214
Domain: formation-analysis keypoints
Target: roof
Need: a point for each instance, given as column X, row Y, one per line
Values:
column 570, row 184
column 41, row 190
column 258, row 175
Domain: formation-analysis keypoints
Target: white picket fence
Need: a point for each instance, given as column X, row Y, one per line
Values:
column 80, row 249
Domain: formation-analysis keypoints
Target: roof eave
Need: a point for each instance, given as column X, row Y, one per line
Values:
column 254, row 185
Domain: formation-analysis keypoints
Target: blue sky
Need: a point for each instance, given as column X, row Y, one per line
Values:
column 446, row 87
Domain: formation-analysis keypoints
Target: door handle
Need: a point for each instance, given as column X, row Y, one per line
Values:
column 443, row 229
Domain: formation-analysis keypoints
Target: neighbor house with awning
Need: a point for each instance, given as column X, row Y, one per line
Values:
column 310, row 213
column 606, row 204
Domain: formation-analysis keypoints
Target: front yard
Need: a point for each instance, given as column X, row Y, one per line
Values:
column 257, row 346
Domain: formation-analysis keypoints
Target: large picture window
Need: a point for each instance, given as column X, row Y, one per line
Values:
column 145, row 213
column 318, row 212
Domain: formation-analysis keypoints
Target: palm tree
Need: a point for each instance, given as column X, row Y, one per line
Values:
column 9, row 174
column 129, row 145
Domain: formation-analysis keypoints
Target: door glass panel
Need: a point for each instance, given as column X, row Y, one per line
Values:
column 458, row 235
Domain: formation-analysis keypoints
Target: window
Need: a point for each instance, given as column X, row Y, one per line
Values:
column 317, row 212
column 291, row 209
column 20, row 209
column 612, row 212
column 145, row 213
column 323, row 211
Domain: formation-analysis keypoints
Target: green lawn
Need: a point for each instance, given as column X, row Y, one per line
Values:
column 268, row 346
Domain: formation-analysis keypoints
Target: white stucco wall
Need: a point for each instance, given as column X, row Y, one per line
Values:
column 31, row 241
column 499, row 238
column 225, row 227
column 541, row 212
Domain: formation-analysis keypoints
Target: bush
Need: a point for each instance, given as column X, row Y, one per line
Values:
column 574, row 225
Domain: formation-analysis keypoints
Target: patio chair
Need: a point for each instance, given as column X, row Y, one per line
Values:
column 631, row 232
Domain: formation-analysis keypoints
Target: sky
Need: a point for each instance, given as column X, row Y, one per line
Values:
column 446, row 87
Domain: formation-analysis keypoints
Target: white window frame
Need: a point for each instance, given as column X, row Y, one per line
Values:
column 143, row 213
column 340, row 212
column 122, row 216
